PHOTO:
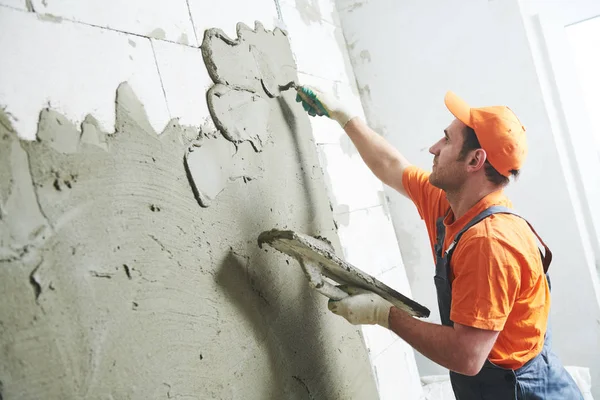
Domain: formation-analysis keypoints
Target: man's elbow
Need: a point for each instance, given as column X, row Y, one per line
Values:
column 471, row 366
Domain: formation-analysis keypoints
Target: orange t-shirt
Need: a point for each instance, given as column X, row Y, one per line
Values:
column 498, row 280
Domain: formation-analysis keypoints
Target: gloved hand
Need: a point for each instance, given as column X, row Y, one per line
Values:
column 362, row 307
column 318, row 103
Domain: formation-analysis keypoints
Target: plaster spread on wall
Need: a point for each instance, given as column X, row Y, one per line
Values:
column 239, row 114
column 252, row 48
column 117, row 285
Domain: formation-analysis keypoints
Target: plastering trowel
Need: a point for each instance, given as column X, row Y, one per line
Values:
column 270, row 91
column 319, row 262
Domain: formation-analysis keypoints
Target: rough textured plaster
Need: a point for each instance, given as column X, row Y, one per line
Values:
column 254, row 50
column 116, row 284
column 240, row 114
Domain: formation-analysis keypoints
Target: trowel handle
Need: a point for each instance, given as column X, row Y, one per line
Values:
column 333, row 292
column 315, row 279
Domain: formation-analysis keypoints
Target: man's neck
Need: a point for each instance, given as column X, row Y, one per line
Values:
column 462, row 200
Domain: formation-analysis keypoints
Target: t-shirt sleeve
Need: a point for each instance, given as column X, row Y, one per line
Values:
column 486, row 283
column 429, row 200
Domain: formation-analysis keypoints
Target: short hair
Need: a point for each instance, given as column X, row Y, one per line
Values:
column 472, row 143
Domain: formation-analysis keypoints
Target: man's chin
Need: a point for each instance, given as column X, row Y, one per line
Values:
column 432, row 178
column 434, row 181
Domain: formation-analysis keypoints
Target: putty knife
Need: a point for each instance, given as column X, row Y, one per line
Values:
column 318, row 261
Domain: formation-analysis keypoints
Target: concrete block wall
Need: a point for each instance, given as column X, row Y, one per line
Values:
column 72, row 55
column 357, row 198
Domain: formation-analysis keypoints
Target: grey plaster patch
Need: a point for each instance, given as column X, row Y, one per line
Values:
column 92, row 134
column 217, row 43
column 22, row 222
column 210, row 167
column 183, row 39
column 239, row 114
column 266, row 72
column 58, row 131
column 5, row 153
column 365, row 56
column 365, row 91
column 208, row 126
column 213, row 163
column 309, row 10
column 356, row 5
column 50, row 18
column 158, row 33
column 192, row 134
column 131, row 110
column 251, row 48
column 131, row 43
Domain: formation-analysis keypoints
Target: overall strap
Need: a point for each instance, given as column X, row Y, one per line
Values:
column 546, row 257
column 440, row 231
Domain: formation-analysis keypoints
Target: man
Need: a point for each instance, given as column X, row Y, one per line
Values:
column 492, row 289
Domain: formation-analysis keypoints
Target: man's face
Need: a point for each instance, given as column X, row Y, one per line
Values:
column 449, row 173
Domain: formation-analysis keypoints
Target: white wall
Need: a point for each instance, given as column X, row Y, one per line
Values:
column 404, row 60
column 73, row 54
column 555, row 57
column 584, row 40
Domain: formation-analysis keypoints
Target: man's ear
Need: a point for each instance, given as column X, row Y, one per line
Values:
column 477, row 160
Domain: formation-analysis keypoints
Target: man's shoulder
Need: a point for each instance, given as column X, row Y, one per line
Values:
column 500, row 226
column 504, row 232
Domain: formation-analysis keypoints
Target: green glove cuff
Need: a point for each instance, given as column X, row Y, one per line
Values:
column 311, row 103
column 330, row 107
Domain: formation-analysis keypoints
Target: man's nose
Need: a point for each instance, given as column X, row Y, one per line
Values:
column 433, row 149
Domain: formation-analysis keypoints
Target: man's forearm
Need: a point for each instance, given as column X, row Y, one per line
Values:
column 386, row 162
column 437, row 342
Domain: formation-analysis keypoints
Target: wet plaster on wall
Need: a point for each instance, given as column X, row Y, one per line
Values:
column 117, row 284
column 264, row 69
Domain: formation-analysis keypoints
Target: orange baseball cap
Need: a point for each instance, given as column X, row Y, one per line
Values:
column 498, row 130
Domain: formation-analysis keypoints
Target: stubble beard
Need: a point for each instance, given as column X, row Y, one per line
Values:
column 445, row 181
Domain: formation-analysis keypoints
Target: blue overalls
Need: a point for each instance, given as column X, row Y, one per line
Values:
column 542, row 377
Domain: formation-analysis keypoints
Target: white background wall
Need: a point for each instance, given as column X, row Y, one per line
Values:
column 548, row 26
column 404, row 62
column 72, row 55
column 584, row 39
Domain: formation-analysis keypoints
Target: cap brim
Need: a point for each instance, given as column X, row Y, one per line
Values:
column 458, row 107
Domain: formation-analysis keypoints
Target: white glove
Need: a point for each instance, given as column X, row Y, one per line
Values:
column 319, row 103
column 362, row 307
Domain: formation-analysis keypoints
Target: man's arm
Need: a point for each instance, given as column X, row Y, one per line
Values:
column 461, row 348
column 381, row 157
column 386, row 162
